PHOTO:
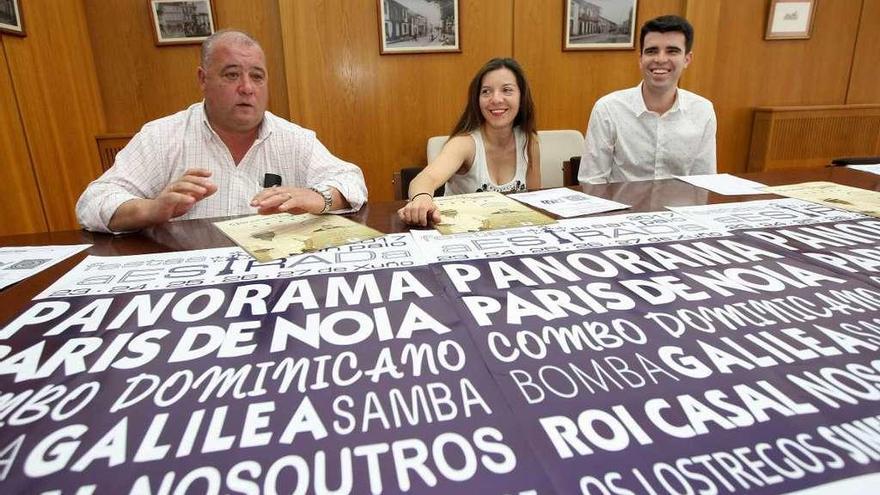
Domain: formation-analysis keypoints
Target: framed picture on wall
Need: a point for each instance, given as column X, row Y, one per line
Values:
column 178, row 22
column 790, row 19
column 418, row 26
column 10, row 18
column 599, row 24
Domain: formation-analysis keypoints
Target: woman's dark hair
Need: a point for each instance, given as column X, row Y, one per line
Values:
column 472, row 118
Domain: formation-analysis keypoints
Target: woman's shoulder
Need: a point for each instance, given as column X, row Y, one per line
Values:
column 461, row 148
column 463, row 141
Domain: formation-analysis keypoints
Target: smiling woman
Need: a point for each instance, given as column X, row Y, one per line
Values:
column 493, row 147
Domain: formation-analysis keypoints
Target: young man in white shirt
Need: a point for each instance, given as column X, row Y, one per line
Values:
column 655, row 130
column 210, row 160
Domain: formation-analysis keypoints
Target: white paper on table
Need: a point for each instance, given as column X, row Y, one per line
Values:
column 567, row 203
column 726, row 184
column 763, row 214
column 20, row 262
column 872, row 168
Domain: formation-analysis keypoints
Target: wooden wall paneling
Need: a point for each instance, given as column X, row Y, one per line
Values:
column 705, row 16
column 53, row 74
column 19, row 196
column 752, row 72
column 141, row 82
column 566, row 84
column 700, row 76
column 863, row 83
column 261, row 19
column 378, row 110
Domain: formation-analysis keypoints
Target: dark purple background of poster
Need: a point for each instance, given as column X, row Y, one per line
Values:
column 510, row 414
column 566, row 473
column 835, row 240
column 119, row 479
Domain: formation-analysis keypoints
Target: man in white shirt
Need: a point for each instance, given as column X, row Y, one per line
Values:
column 211, row 159
column 655, row 130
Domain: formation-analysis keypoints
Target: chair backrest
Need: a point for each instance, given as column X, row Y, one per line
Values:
column 570, row 170
column 401, row 179
column 556, row 148
column 435, row 144
column 108, row 146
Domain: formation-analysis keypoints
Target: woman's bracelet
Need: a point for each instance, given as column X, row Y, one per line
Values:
column 419, row 194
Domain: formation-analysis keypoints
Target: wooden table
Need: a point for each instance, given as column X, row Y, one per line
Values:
column 201, row 234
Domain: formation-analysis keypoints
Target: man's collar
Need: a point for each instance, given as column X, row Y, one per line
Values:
column 265, row 128
column 636, row 102
column 638, row 106
column 264, row 131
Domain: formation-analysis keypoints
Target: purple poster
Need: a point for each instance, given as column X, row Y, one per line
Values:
column 743, row 363
column 354, row 383
column 851, row 248
column 702, row 366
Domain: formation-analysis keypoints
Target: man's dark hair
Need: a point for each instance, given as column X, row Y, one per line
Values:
column 668, row 24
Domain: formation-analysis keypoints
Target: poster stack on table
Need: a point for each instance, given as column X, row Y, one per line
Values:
column 719, row 349
column 484, row 211
column 834, row 195
column 270, row 237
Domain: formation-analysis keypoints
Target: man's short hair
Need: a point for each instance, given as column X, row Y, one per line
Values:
column 234, row 35
column 668, row 24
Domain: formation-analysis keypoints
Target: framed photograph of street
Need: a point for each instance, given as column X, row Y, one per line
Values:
column 418, row 26
column 178, row 22
column 790, row 19
column 10, row 18
column 599, row 25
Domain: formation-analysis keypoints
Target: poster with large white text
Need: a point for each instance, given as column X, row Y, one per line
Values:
column 721, row 349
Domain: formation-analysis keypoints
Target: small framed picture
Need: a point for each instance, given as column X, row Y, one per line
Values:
column 599, row 25
column 790, row 19
column 10, row 18
column 418, row 26
column 178, row 22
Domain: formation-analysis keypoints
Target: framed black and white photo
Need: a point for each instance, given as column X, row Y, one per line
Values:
column 178, row 22
column 419, row 26
column 599, row 25
column 790, row 19
column 10, row 18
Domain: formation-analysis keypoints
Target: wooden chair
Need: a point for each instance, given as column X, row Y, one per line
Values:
column 570, row 169
column 401, row 179
column 108, row 146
